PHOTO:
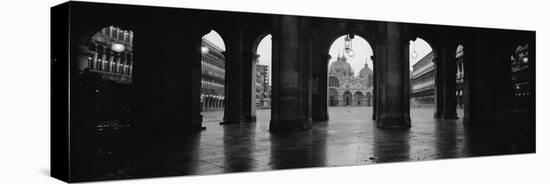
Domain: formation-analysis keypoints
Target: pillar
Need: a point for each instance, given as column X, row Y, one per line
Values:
column 103, row 58
column 479, row 85
column 130, row 64
column 168, row 89
column 374, row 86
column 448, row 62
column 291, row 107
column 393, row 77
column 124, row 64
column 320, row 86
column 94, row 58
column 118, row 62
column 111, row 61
column 439, row 79
column 239, row 88
column 251, row 109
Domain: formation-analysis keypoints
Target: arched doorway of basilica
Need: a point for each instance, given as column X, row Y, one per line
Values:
column 347, row 98
column 358, row 99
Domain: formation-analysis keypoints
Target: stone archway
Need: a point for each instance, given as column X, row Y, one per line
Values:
column 347, row 98
column 358, row 96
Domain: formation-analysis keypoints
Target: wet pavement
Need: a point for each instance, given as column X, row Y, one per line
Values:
column 348, row 138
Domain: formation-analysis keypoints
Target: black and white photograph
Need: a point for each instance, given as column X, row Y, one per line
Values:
column 151, row 90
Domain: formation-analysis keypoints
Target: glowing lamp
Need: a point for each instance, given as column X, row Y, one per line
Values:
column 117, row 47
column 205, row 50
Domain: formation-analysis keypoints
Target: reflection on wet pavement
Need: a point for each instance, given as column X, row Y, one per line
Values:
column 348, row 138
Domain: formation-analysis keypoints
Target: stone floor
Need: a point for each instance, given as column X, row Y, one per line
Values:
column 348, row 138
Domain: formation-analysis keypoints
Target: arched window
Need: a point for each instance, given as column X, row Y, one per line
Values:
column 347, row 98
column 333, row 82
column 358, row 98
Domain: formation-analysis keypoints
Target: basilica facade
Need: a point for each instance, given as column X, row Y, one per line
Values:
column 347, row 89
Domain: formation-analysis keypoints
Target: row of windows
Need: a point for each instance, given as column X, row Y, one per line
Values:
column 423, row 84
column 211, row 85
column 115, row 64
column 423, row 69
column 214, row 61
column 118, row 33
column 208, row 69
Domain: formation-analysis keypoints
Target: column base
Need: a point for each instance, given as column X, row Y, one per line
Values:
column 393, row 123
column 450, row 115
column 197, row 124
column 321, row 117
column 278, row 126
column 238, row 120
column 437, row 115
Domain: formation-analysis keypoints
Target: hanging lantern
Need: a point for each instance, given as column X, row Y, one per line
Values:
column 348, row 45
column 414, row 55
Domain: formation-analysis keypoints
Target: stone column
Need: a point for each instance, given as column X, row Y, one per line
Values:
column 238, row 80
column 94, row 57
column 439, row 79
column 374, row 98
column 479, row 79
column 393, row 77
column 118, row 62
column 103, row 58
column 130, row 64
column 167, row 91
column 111, row 61
column 320, row 88
column 291, row 75
column 251, row 110
column 447, row 59
column 124, row 67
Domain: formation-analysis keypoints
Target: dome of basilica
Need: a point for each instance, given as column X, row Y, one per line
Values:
column 365, row 71
column 366, row 74
column 341, row 66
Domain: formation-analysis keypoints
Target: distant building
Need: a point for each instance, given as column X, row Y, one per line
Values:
column 109, row 55
column 263, row 90
column 460, row 76
column 345, row 89
column 213, row 77
column 422, row 81
column 520, row 80
column 104, row 74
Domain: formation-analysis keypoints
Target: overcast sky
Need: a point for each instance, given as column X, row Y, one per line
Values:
column 360, row 46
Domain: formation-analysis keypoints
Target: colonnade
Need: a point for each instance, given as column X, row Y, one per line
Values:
column 167, row 77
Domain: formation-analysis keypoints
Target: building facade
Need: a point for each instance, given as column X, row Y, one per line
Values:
column 104, row 75
column 263, row 90
column 520, row 80
column 460, row 77
column 423, row 81
column 213, row 77
column 345, row 89
column 109, row 55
